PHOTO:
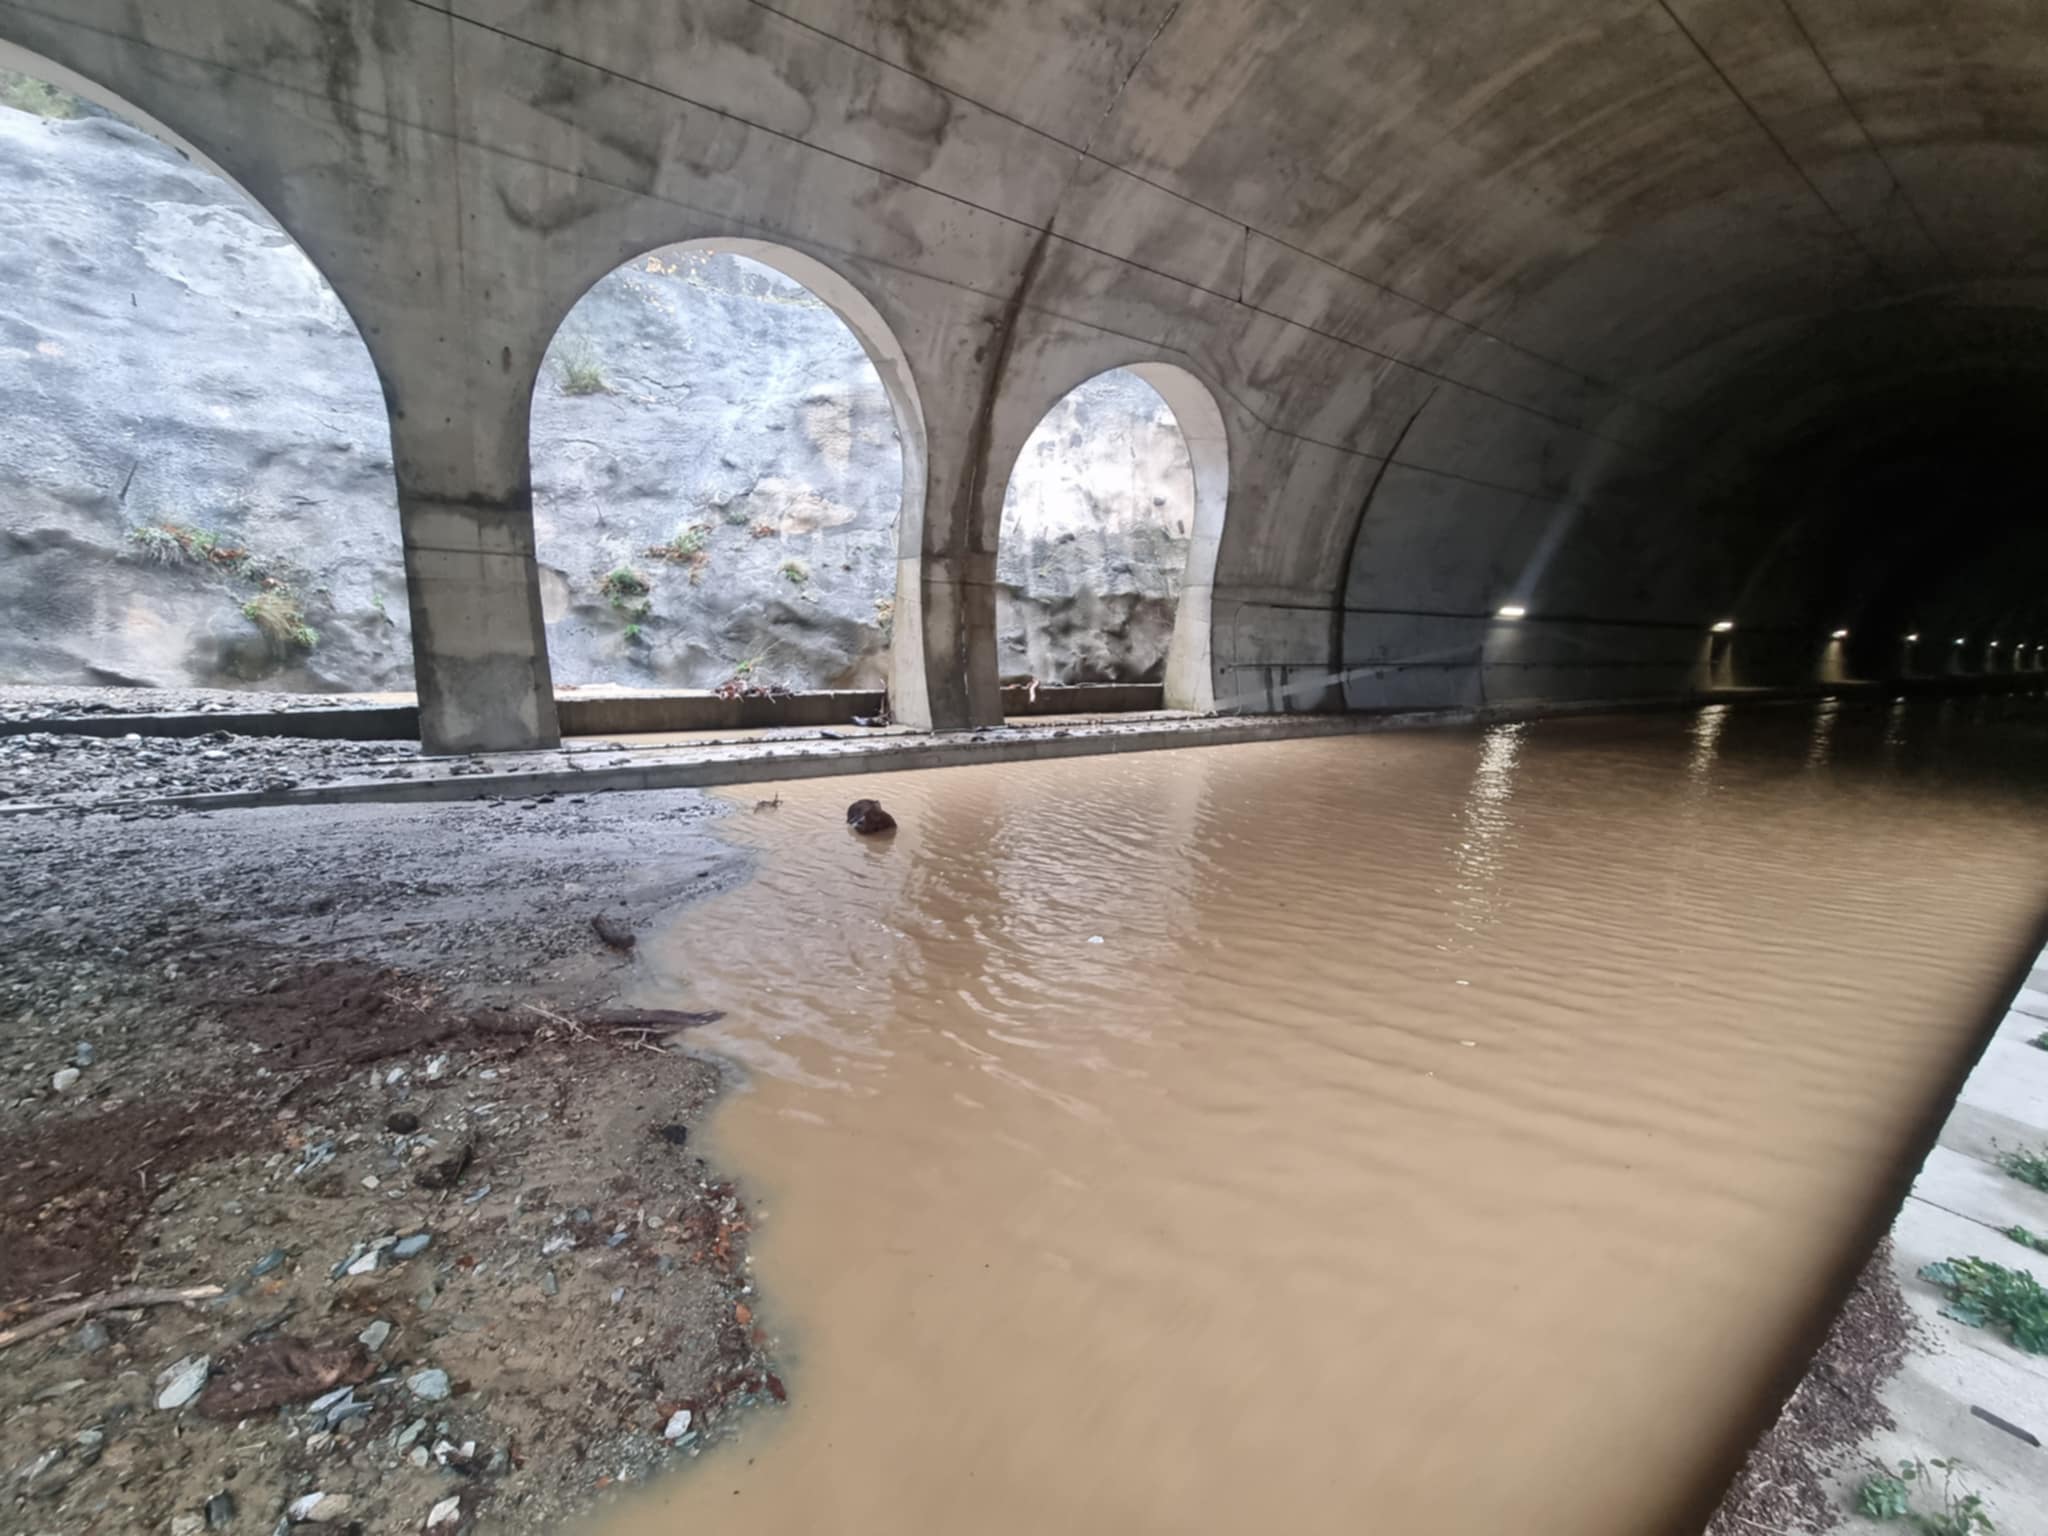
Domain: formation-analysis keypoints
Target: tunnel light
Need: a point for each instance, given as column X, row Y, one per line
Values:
column 1994, row 645
column 1840, row 634
column 1724, row 626
column 1960, row 640
column 1912, row 639
column 1512, row 611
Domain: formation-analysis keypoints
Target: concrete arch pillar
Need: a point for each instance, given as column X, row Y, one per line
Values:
column 1190, row 667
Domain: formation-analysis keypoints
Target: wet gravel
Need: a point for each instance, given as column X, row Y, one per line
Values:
column 46, row 768
column 41, row 701
column 349, row 1065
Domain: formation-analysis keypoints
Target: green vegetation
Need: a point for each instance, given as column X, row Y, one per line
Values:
column 581, row 371
column 278, row 613
column 736, row 515
column 627, row 591
column 686, row 547
column 377, row 606
column 1981, row 1293
column 635, row 634
column 2040, row 1041
column 2026, row 1165
column 2027, row 1239
column 795, row 571
column 25, row 93
column 169, row 543
column 1889, row 1497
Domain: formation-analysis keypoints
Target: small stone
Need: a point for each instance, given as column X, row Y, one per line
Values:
column 678, row 1425
column 549, row 1285
column 263, row 1266
column 411, row 1432
column 618, row 1294
column 220, row 1510
column 365, row 1264
column 500, row 1462
column 418, row 1456
column 318, row 1441
column 63, row 1081
column 429, row 1386
column 187, row 1525
column 446, row 1512
column 371, row 1181
column 406, row 1247
column 372, row 1338
column 179, row 1384
column 90, row 1339
column 83, row 1055
column 402, row 1122
column 332, row 1507
column 436, row 1067
column 302, row 1508
column 328, row 1399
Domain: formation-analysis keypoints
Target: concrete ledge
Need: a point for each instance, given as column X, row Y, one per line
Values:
column 1083, row 699
column 637, row 714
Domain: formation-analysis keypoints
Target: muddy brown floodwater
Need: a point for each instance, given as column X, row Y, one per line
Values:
column 1432, row 1132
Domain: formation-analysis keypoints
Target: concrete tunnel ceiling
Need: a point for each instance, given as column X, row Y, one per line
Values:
column 1639, row 315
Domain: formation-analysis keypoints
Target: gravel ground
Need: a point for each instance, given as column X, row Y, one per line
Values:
column 42, row 768
column 1783, row 1485
column 361, row 1069
column 42, row 701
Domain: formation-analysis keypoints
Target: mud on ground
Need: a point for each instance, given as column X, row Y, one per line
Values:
column 361, row 1069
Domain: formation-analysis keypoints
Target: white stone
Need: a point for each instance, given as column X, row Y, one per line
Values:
column 178, row 1385
column 64, row 1079
column 445, row 1512
column 678, row 1424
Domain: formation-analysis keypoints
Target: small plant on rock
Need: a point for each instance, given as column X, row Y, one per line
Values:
column 2040, row 1041
column 1890, row 1497
column 1981, row 1293
column 795, row 572
column 580, row 370
column 278, row 613
column 686, row 548
column 735, row 515
column 763, row 531
column 2027, row 1165
column 2027, row 1239
column 622, row 584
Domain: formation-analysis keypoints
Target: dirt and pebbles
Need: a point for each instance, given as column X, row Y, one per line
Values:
column 1784, row 1484
column 363, row 1070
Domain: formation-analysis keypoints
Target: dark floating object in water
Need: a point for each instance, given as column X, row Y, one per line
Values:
column 614, row 933
column 867, row 818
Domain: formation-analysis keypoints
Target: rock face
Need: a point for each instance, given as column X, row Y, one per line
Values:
column 196, row 482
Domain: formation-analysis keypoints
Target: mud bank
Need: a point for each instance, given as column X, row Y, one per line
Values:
column 362, row 1073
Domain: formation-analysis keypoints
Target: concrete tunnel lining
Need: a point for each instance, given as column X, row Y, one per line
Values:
column 1534, row 241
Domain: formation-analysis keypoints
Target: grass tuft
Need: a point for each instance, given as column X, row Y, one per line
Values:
column 278, row 612
column 580, row 370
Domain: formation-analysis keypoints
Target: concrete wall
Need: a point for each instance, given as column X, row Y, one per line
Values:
column 1638, row 316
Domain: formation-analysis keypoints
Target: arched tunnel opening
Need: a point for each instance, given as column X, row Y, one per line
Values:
column 1536, row 1022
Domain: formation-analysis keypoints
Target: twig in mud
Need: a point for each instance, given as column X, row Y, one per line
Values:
column 108, row 1301
column 576, row 1031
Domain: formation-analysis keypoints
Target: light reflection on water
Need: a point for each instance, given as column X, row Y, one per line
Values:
column 1448, row 1132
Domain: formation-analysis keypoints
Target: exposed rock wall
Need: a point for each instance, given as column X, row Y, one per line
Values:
column 170, row 361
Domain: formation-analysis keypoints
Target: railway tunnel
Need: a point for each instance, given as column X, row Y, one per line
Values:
column 1471, row 1129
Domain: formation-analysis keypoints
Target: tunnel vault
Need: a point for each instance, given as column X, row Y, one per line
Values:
column 1636, row 318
